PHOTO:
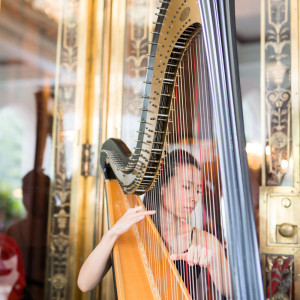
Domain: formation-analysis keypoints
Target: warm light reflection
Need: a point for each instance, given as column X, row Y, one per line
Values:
column 284, row 164
column 49, row 7
column 254, row 155
column 68, row 135
column 254, row 148
column 268, row 150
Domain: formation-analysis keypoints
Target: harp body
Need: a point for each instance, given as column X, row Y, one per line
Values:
column 139, row 253
column 132, row 268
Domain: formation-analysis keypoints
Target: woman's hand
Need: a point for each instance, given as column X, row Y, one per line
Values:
column 196, row 255
column 206, row 251
column 132, row 216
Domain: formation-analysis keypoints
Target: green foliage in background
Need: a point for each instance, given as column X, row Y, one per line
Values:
column 11, row 137
column 11, row 208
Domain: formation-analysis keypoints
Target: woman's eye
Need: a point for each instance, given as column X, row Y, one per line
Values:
column 185, row 187
column 199, row 192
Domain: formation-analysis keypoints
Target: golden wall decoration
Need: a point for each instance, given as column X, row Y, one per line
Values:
column 279, row 203
column 139, row 24
column 91, row 43
column 278, row 91
column 127, row 26
column 136, row 49
column 64, row 134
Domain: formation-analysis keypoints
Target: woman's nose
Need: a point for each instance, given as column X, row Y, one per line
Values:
column 193, row 195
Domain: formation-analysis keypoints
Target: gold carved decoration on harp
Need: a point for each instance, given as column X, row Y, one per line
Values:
column 189, row 163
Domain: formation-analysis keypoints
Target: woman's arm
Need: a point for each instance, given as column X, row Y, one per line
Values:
column 98, row 262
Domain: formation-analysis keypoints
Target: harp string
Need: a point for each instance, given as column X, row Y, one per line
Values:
column 210, row 184
column 171, row 228
column 179, row 132
column 183, row 167
column 195, row 117
column 189, row 112
column 191, row 89
column 163, row 181
column 201, row 162
column 214, row 178
column 207, row 137
column 191, row 127
column 182, row 121
column 185, row 114
column 210, row 177
column 176, row 191
column 186, row 139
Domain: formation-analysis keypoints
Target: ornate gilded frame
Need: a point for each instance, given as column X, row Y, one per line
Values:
column 89, row 52
column 70, row 236
column 280, row 205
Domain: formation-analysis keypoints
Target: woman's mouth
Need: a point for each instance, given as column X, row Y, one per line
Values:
column 189, row 208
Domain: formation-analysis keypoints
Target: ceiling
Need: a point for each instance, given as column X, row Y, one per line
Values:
column 28, row 41
column 19, row 17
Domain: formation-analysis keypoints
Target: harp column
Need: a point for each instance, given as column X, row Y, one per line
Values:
column 280, row 191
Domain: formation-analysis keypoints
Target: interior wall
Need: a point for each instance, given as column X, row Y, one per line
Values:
column 28, row 38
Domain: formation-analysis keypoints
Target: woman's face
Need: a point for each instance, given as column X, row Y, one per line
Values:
column 182, row 192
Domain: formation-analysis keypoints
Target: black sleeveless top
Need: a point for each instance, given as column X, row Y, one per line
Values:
column 196, row 279
column 189, row 275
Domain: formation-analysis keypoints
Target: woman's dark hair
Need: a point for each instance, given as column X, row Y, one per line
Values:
column 209, row 173
column 173, row 160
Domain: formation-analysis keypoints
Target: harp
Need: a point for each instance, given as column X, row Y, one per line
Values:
column 190, row 140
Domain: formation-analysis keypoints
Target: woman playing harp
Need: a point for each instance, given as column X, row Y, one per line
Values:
column 177, row 192
column 189, row 96
column 192, row 250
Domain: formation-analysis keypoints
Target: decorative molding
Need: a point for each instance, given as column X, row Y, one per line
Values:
column 278, row 91
column 279, row 276
column 64, row 128
column 139, row 25
column 136, row 50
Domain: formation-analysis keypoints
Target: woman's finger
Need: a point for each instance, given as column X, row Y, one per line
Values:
column 147, row 212
column 197, row 255
column 132, row 216
column 179, row 256
column 140, row 216
column 190, row 256
column 203, row 257
column 138, row 208
column 143, row 214
column 209, row 256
